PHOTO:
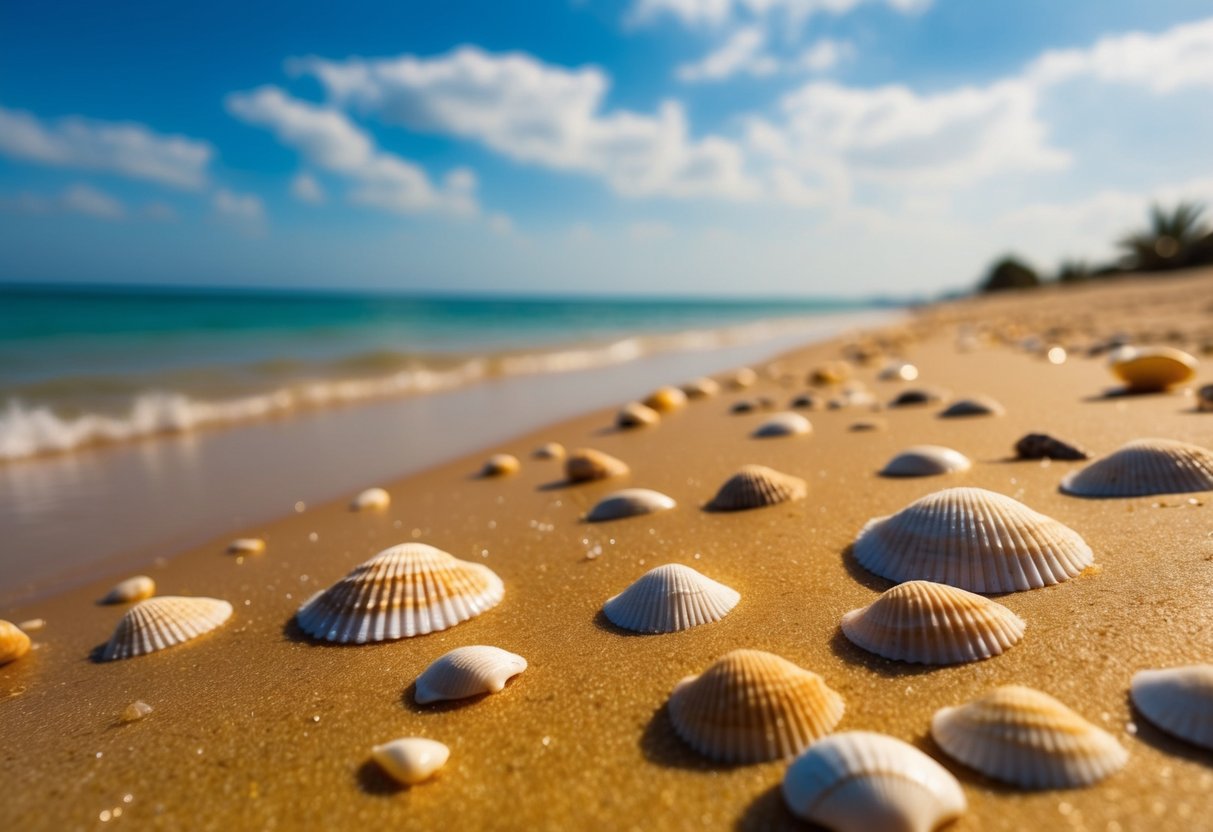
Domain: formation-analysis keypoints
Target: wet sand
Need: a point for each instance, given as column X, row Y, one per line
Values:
column 256, row 727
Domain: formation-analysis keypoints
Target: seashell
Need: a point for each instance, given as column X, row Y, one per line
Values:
column 549, row 450
column 635, row 415
column 670, row 598
column 859, row 781
column 467, row 671
column 135, row 711
column 1143, row 467
column 927, row 623
column 630, row 502
column 407, row 590
column 132, row 589
column 898, row 371
column 867, row 425
column 1043, row 446
column 372, row 499
column 160, row 623
column 1028, row 739
column 808, row 401
column 1152, row 369
column 14, row 643
column 1178, row 700
column 701, row 388
column 918, row 396
column 411, row 760
column 1204, row 398
column 975, row 406
column 973, row 539
column 783, row 424
column 756, row 486
column 32, row 625
column 500, row 465
column 743, row 406
column 926, row 461
column 666, row 399
column 739, row 379
column 835, row 372
column 246, row 546
column 585, row 464
column 750, row 707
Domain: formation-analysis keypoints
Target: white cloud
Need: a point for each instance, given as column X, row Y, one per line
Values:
column 85, row 199
column 824, row 55
column 709, row 13
column 741, row 54
column 305, row 188
column 244, row 211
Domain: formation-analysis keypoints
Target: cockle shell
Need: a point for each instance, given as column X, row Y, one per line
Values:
column 745, row 377
column 1152, row 369
column 918, row 396
column 159, row 623
column 467, row 671
column 750, row 706
column 411, row 760
column 783, row 424
column 630, row 502
column 973, row 539
column 859, row 781
column 1027, row 738
column 407, row 590
column 1143, row 467
column 756, row 486
column 549, row 450
column 927, row 623
column 372, row 499
column 1043, row 446
column 132, row 589
column 585, row 464
column 666, row 399
column 636, row 415
column 246, row 546
column 14, row 643
column 701, row 388
column 975, row 406
column 500, row 465
column 898, row 371
column 1179, row 700
column 670, row 598
column 926, row 461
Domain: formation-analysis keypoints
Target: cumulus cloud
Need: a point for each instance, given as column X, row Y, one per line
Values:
column 709, row 13
column 824, row 55
column 305, row 188
column 742, row 54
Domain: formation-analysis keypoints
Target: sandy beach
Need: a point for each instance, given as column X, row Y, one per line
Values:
column 256, row 726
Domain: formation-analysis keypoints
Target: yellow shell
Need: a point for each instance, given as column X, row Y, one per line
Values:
column 246, row 546
column 666, row 399
column 636, row 415
column 14, row 643
column 500, row 465
column 372, row 499
column 585, row 464
column 1152, row 369
column 835, row 372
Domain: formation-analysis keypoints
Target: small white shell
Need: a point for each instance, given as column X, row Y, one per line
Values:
column 756, row 486
column 1144, row 467
column 783, row 424
column 636, row 415
column 976, row 406
column 159, row 623
column 630, row 502
column 246, row 546
column 1179, row 700
column 372, row 499
column 132, row 589
column 859, row 781
column 670, row 598
column 411, row 760
column 926, row 461
column 467, row 671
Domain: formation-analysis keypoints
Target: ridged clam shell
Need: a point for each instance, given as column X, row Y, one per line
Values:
column 973, row 539
column 701, row 388
column 859, row 781
column 585, row 464
column 918, row 396
column 132, row 589
column 666, row 399
column 630, row 502
column 926, row 461
column 407, row 590
column 1152, row 369
column 411, row 760
column 670, row 598
column 467, row 671
column 975, row 406
column 636, row 415
column 756, row 486
column 1179, row 700
column 750, row 706
column 1144, row 467
column 783, row 424
column 1043, row 446
column 159, row 623
column 1027, row 738
column 549, row 450
column 372, row 499
column 246, row 546
column 500, row 465
column 928, row 623
column 14, row 643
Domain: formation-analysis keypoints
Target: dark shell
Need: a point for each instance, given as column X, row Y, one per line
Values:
column 1043, row 446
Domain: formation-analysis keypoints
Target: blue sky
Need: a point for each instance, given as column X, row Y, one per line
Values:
column 664, row 146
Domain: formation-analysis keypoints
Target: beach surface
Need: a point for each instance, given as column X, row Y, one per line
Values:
column 256, row 726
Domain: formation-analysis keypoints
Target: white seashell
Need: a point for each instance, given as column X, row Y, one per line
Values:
column 976, row 406
column 549, row 450
column 411, row 760
column 783, row 424
column 973, row 539
column 132, row 589
column 926, row 461
column 246, row 546
column 928, row 623
column 1027, row 738
column 859, row 781
column 500, row 465
column 586, row 464
column 701, row 388
column 32, row 625
column 1144, row 467
column 14, row 643
column 1179, row 700
column 467, row 671
column 408, row 590
column 160, row 623
column 1152, row 369
column 670, row 598
column 636, row 415
column 630, row 502
column 372, row 499
column 756, row 486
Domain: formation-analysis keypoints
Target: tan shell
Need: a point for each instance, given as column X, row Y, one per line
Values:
column 132, row 589
column 372, row 499
column 740, row 379
column 246, row 546
column 14, row 643
column 835, row 372
column 1144, row 467
column 585, row 464
column 1179, row 700
column 636, row 415
column 408, row 590
column 549, row 450
column 411, row 760
column 975, row 406
column 670, row 598
column 500, row 465
column 751, row 706
column 926, row 623
column 1152, row 369
column 666, row 399
column 898, row 371
column 783, row 424
column 629, row 502
column 467, row 671
column 1027, row 738
column 756, row 486
column 701, row 388
column 160, row 623
column 926, row 461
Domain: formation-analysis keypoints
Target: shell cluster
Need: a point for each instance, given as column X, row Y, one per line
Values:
column 1144, row 467
column 587, row 464
column 1179, row 700
column 160, row 623
column 926, row 461
column 670, row 598
column 756, row 486
column 629, row 502
column 466, row 672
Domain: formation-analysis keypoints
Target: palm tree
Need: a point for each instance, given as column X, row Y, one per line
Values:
column 1171, row 239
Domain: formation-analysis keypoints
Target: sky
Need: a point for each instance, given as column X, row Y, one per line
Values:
column 673, row 147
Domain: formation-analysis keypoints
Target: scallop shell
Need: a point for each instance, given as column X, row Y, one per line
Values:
column 975, row 406
column 973, row 539
column 159, row 623
column 467, row 671
column 500, row 465
column 739, row 379
column 1143, row 467
column 372, row 499
column 1152, row 369
column 918, row 396
column 926, row 461
column 630, row 502
column 898, row 371
column 636, row 415
column 411, row 760
column 132, row 589
column 670, row 598
column 407, row 590
column 701, row 388
column 926, row 623
column 1043, row 446
column 14, row 643
column 585, row 464
column 666, row 399
column 859, row 781
column 751, row 706
column 1178, row 700
column 549, row 450
column 783, row 424
column 756, row 486
column 1027, row 738
column 246, row 546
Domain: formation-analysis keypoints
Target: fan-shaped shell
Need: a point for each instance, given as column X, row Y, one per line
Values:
column 14, row 643
column 372, row 499
column 859, row 781
column 407, row 590
column 160, row 623
column 1179, row 700
column 973, row 539
column 666, row 399
column 132, row 589
column 467, row 671
column 1152, row 369
column 411, row 760
column 701, row 388
column 1027, row 738
column 1143, row 467
column 630, row 502
column 783, row 424
column 975, row 406
column 1043, row 446
column 670, row 598
column 928, row 623
column 549, row 450
column 918, row 396
column 636, row 415
column 756, row 486
column 246, row 546
column 750, row 706
column 926, row 461
column 500, row 465
column 585, row 464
